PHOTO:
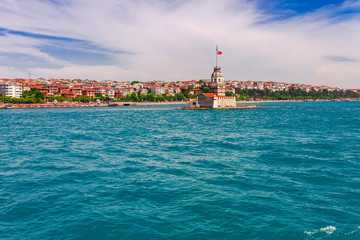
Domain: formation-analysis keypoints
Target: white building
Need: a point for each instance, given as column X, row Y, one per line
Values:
column 13, row 90
column 143, row 91
column 110, row 92
column 157, row 90
column 126, row 91
column 138, row 86
column 170, row 91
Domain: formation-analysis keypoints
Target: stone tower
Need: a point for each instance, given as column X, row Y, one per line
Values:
column 217, row 84
column 217, row 98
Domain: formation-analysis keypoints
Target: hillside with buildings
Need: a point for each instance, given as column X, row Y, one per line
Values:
column 48, row 90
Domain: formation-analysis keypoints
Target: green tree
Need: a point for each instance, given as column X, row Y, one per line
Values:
column 133, row 97
column 82, row 98
column 159, row 98
column 150, row 97
column 107, row 98
column 206, row 90
column 99, row 96
column 134, row 82
column 185, row 92
column 30, row 100
column 141, row 97
column 6, row 99
column 179, row 97
column 34, row 96
column 169, row 98
column 58, row 98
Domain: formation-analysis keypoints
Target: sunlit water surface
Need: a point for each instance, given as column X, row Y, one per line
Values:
column 288, row 171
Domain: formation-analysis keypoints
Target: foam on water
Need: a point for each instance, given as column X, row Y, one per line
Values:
column 328, row 230
column 331, row 232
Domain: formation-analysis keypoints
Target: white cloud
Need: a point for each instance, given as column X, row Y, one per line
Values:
column 175, row 40
column 11, row 72
column 86, row 72
column 11, row 43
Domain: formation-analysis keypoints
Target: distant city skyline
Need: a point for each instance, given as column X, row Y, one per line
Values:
column 308, row 42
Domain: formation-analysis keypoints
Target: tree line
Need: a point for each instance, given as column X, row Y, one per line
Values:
column 298, row 94
column 35, row 96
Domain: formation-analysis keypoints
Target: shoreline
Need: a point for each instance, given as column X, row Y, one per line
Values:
column 307, row 100
column 222, row 108
column 118, row 104
column 73, row 105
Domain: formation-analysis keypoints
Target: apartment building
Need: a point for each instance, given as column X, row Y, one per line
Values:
column 10, row 89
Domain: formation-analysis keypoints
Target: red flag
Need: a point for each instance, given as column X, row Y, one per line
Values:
column 219, row 52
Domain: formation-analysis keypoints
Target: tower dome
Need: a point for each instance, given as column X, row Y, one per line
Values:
column 217, row 73
column 217, row 76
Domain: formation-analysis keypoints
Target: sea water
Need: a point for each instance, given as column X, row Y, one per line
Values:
column 287, row 171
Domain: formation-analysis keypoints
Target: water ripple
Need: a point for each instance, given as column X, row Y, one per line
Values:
column 288, row 171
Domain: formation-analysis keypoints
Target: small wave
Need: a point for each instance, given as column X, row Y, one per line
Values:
column 329, row 233
column 355, row 231
column 329, row 230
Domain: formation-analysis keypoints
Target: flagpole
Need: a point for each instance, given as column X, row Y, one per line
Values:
column 216, row 55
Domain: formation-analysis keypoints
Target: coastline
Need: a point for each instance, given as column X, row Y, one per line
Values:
column 118, row 104
column 75, row 104
column 310, row 100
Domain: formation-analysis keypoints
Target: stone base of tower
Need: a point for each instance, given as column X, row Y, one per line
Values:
column 210, row 100
column 226, row 101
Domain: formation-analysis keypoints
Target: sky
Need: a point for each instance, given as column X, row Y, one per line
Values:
column 295, row 41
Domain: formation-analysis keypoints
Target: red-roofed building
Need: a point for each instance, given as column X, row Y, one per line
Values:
column 117, row 94
column 88, row 92
column 63, row 88
column 99, row 90
column 53, row 88
column 197, row 91
column 76, row 90
column 67, row 94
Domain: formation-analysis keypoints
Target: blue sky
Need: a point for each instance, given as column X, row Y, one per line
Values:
column 290, row 8
column 296, row 41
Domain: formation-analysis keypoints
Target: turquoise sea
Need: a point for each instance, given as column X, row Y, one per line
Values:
column 288, row 171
